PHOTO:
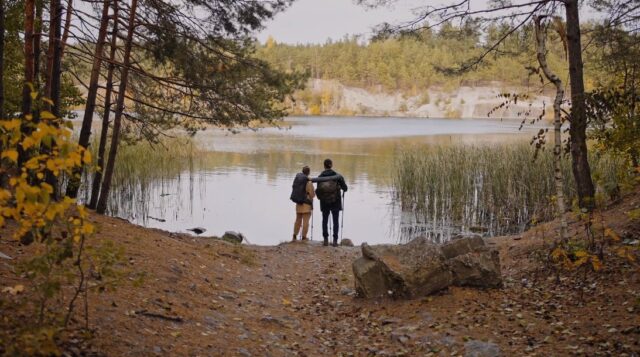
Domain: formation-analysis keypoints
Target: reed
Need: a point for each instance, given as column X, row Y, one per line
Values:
column 497, row 189
column 142, row 164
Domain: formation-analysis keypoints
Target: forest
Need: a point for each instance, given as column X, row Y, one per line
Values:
column 141, row 138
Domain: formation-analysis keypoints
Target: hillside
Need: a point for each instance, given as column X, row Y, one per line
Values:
column 186, row 296
column 330, row 97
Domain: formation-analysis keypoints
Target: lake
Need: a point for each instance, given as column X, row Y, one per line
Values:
column 244, row 181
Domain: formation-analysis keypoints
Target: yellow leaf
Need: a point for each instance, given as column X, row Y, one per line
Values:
column 11, row 124
column 581, row 254
column 28, row 142
column 14, row 290
column 611, row 234
column 86, row 158
column 286, row 302
column 47, row 115
column 11, row 155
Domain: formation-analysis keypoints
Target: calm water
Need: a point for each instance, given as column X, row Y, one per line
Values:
column 244, row 181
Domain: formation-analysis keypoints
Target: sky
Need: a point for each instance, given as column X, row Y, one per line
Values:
column 314, row 21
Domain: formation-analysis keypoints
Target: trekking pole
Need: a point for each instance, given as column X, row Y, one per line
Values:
column 342, row 224
column 311, row 224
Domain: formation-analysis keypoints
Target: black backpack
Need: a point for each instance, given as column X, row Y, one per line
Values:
column 327, row 191
column 299, row 189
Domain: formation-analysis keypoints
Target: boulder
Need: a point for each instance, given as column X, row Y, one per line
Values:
column 233, row 237
column 411, row 269
column 346, row 242
column 421, row 268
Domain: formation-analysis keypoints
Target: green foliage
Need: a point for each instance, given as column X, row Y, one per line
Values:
column 613, row 107
column 408, row 63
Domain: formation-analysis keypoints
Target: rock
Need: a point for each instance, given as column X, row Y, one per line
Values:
column 346, row 242
column 4, row 256
column 244, row 352
column 233, row 237
column 347, row 291
column 421, row 268
column 480, row 268
column 462, row 245
column 197, row 230
column 411, row 269
column 475, row 348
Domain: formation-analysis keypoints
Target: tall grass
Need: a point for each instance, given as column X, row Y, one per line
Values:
column 142, row 164
column 500, row 189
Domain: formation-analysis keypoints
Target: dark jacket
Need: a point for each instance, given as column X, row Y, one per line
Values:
column 342, row 186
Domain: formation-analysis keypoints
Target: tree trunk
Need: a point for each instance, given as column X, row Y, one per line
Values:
column 85, row 131
column 97, row 177
column 28, row 56
column 67, row 25
column 56, row 67
column 578, row 127
column 2, row 60
column 53, row 81
column 557, row 123
column 29, row 7
column 117, row 120
column 37, row 41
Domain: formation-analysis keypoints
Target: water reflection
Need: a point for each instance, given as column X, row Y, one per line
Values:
column 242, row 182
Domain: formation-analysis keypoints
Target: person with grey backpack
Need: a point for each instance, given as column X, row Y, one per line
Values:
column 329, row 191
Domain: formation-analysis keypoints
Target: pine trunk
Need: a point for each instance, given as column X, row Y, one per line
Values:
column 117, row 120
column 29, row 7
column 67, row 25
column 85, row 130
column 2, row 60
column 578, row 127
column 97, row 177
column 557, row 124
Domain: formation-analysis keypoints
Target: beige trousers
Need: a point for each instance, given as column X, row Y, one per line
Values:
column 302, row 219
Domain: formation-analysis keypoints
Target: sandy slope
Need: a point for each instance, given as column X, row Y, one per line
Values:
column 203, row 297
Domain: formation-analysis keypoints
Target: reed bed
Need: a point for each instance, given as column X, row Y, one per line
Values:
column 142, row 164
column 494, row 189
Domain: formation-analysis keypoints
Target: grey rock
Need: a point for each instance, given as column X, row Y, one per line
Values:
column 399, row 271
column 244, row 352
column 421, row 268
column 480, row 268
column 461, row 246
column 346, row 242
column 233, row 237
column 347, row 291
column 476, row 348
column 197, row 230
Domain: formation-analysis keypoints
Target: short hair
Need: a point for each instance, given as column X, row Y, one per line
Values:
column 306, row 170
column 328, row 163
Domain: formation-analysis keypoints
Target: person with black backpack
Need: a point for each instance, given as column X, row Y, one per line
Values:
column 330, row 196
column 302, row 194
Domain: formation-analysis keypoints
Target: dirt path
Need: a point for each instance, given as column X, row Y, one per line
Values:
column 186, row 296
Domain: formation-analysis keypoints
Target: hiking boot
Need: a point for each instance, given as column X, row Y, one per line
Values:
column 326, row 242
column 305, row 238
column 335, row 243
column 294, row 238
